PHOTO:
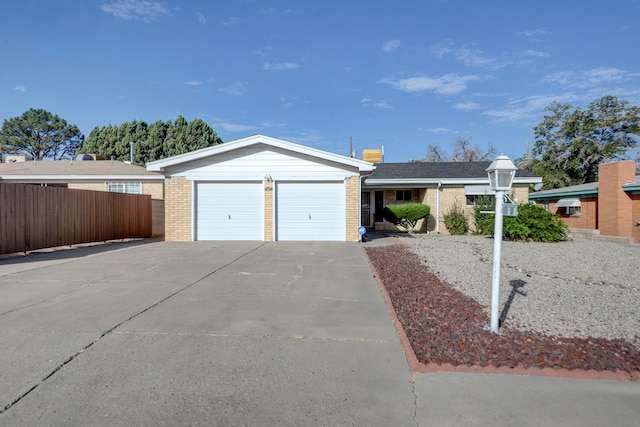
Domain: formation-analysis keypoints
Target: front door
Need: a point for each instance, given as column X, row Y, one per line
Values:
column 378, row 206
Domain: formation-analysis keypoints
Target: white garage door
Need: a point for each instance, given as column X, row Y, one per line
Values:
column 229, row 211
column 310, row 211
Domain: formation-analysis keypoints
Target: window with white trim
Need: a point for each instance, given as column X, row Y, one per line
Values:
column 125, row 187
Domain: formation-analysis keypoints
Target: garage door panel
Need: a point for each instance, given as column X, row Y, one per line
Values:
column 310, row 211
column 229, row 211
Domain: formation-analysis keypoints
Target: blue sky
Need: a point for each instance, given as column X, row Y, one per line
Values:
column 401, row 74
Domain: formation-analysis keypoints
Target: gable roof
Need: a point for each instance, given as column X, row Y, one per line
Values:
column 161, row 165
column 416, row 173
column 73, row 170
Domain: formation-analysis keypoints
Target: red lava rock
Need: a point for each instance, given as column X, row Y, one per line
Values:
column 444, row 326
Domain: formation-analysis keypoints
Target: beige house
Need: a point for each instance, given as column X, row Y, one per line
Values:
column 95, row 175
column 262, row 188
column 440, row 185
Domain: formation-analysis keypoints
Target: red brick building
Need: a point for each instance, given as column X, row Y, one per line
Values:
column 611, row 206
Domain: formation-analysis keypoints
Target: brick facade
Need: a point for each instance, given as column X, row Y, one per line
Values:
column 449, row 196
column 352, row 203
column 268, row 211
column 178, row 206
column 615, row 207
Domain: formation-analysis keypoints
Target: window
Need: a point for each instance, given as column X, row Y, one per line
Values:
column 125, row 187
column 571, row 206
column 572, row 210
column 403, row 195
column 472, row 198
column 481, row 194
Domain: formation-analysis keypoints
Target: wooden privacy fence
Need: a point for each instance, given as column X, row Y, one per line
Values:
column 34, row 217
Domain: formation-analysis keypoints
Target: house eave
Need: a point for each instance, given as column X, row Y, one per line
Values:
column 430, row 182
column 29, row 179
column 161, row 165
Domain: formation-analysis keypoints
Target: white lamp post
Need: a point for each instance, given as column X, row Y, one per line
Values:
column 501, row 173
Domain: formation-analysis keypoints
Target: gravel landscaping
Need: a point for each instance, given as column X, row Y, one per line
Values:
column 573, row 305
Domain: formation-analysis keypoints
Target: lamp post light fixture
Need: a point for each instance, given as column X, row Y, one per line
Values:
column 501, row 173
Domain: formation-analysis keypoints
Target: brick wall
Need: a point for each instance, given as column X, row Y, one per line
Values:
column 178, row 193
column 268, row 211
column 614, row 205
column 588, row 218
column 635, row 228
column 352, row 192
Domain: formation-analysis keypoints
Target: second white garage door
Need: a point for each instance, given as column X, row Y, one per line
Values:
column 229, row 211
column 310, row 211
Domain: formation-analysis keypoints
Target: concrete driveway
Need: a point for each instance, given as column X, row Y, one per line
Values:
column 242, row 333
column 199, row 333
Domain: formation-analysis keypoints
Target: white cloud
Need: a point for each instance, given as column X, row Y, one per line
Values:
column 528, row 109
column 534, row 34
column 535, row 53
column 235, row 88
column 390, row 46
column 383, row 104
column 590, row 78
column 379, row 104
column 193, row 83
column 201, row 18
column 441, row 130
column 282, row 66
column 234, row 127
column 20, row 88
column 135, row 9
column 447, row 84
column 466, row 106
column 464, row 54
column 230, row 21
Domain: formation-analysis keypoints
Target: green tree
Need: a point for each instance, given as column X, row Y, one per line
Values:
column 40, row 134
column 151, row 142
column 571, row 143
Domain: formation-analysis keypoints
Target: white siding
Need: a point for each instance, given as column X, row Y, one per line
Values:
column 255, row 162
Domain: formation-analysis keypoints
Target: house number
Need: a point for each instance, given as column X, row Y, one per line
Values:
column 268, row 188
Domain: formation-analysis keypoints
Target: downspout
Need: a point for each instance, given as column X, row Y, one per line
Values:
column 438, row 207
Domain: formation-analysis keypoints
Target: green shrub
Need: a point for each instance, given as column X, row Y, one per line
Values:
column 406, row 215
column 532, row 223
column 484, row 221
column 455, row 220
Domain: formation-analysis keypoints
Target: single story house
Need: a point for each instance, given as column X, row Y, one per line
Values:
column 440, row 185
column 262, row 188
column 85, row 173
column 609, row 207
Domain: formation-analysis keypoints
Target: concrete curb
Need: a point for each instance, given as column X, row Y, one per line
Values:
column 416, row 366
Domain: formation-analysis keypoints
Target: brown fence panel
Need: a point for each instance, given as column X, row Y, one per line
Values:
column 34, row 217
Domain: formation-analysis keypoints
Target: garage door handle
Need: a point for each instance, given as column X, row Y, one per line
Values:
column 309, row 216
column 229, row 216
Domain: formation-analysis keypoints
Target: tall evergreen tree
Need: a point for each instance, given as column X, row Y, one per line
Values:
column 151, row 142
column 40, row 135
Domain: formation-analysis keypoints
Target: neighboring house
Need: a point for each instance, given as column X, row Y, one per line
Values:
column 262, row 188
column 440, row 185
column 96, row 175
column 610, row 207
